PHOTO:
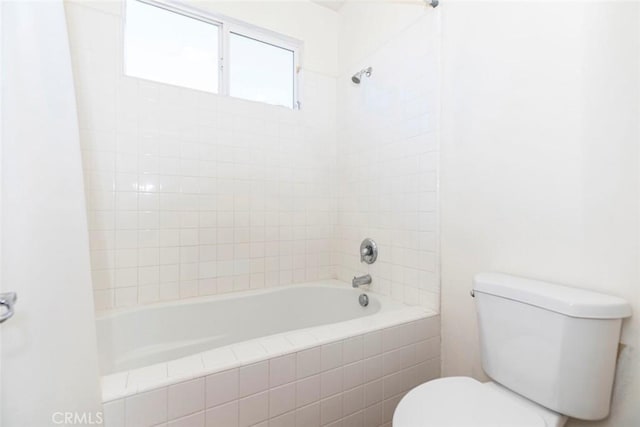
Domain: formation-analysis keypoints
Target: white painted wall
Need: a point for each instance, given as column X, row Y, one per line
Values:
column 540, row 161
column 388, row 128
column 49, row 360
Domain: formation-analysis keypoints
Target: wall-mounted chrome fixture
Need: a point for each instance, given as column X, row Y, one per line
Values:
column 432, row 3
column 7, row 300
column 357, row 77
column 368, row 251
column 358, row 281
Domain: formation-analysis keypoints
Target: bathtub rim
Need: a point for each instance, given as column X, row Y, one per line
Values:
column 329, row 283
column 118, row 385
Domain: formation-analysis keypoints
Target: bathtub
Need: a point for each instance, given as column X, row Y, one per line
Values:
column 306, row 354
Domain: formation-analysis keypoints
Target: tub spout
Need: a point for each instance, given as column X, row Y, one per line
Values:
column 361, row 281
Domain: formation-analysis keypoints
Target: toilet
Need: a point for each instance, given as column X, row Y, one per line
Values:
column 549, row 349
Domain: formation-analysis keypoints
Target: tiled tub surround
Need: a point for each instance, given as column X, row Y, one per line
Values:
column 388, row 135
column 190, row 193
column 350, row 373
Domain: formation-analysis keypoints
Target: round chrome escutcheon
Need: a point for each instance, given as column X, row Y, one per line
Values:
column 364, row 300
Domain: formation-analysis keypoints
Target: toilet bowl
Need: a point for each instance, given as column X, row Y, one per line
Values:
column 466, row 402
column 549, row 349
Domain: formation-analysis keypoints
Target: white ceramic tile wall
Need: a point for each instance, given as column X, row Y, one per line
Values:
column 190, row 193
column 353, row 382
column 388, row 158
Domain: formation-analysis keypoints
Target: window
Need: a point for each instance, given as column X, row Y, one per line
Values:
column 260, row 71
column 167, row 47
column 184, row 47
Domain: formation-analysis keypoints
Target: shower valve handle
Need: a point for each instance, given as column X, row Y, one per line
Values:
column 368, row 251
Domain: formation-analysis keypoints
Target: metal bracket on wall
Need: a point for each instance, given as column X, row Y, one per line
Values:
column 7, row 300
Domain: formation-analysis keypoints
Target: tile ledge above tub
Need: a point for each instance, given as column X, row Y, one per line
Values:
column 128, row 383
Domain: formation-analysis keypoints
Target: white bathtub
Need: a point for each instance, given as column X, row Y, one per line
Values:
column 146, row 348
column 135, row 338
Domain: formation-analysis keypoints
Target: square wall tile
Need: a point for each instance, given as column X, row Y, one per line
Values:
column 186, row 398
column 146, row 409
column 114, row 413
column 222, row 415
column 308, row 362
column 193, row 420
column 254, row 378
column 282, row 399
column 222, row 387
column 282, row 370
column 253, row 409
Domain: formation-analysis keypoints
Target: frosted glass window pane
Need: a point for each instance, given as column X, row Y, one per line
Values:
column 260, row 71
column 170, row 48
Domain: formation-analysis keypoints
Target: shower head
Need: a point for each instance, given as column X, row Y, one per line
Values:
column 357, row 77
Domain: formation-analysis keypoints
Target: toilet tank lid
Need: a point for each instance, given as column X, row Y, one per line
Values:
column 566, row 300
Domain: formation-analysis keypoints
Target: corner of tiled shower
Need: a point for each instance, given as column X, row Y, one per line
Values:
column 193, row 194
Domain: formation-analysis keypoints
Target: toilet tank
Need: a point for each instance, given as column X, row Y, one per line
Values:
column 553, row 344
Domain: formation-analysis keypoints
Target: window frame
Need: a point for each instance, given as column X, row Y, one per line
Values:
column 226, row 26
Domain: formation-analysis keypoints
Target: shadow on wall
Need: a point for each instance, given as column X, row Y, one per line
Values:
column 539, row 164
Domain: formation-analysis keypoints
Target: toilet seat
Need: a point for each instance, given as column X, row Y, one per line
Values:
column 462, row 402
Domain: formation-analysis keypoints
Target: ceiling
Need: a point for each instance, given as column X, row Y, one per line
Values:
column 331, row 4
